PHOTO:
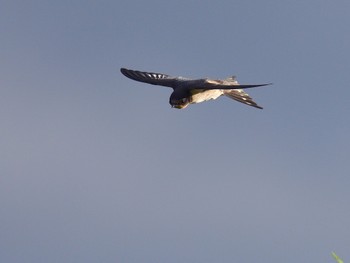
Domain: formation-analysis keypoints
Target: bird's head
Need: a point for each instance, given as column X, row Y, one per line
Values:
column 179, row 103
column 179, row 99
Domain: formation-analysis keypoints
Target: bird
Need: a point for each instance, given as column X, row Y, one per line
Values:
column 190, row 91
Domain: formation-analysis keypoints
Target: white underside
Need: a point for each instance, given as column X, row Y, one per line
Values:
column 206, row 95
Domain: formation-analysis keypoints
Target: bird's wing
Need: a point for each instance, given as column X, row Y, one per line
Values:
column 150, row 77
column 225, row 84
column 241, row 96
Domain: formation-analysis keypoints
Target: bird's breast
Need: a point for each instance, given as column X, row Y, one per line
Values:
column 204, row 95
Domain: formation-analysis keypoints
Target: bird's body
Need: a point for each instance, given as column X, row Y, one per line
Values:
column 190, row 91
column 205, row 95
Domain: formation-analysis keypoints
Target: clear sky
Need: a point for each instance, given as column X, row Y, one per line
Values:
column 95, row 167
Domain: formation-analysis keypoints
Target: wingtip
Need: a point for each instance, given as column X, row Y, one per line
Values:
column 125, row 72
column 265, row 84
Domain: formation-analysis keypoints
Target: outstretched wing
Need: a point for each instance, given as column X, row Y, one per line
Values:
column 149, row 77
column 176, row 82
column 241, row 96
column 226, row 84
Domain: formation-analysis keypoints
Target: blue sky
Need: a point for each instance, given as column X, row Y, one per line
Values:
column 95, row 167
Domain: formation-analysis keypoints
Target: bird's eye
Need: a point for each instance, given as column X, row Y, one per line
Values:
column 184, row 100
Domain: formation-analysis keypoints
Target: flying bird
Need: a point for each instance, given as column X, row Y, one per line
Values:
column 189, row 91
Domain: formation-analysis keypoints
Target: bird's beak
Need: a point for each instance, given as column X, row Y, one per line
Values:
column 180, row 106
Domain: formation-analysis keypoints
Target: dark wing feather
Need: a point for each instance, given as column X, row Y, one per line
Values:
column 149, row 77
column 224, row 84
column 241, row 96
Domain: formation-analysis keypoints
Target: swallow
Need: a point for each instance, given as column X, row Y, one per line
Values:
column 190, row 91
